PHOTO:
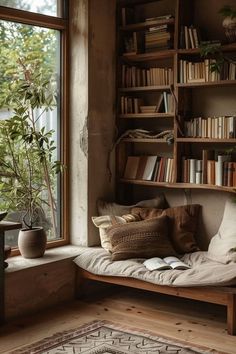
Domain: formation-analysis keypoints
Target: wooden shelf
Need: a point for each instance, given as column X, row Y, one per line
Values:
column 135, row 2
column 205, row 140
column 143, row 25
column 146, row 115
column 161, row 54
column 178, row 185
column 185, row 98
column 144, row 88
column 224, row 48
column 208, row 84
column 146, row 140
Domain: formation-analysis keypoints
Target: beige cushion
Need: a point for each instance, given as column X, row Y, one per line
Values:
column 142, row 239
column 111, row 208
column 183, row 224
column 222, row 247
column 103, row 222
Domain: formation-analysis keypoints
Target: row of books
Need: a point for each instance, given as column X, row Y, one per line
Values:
column 158, row 37
column 150, row 168
column 215, row 170
column 191, row 72
column 136, row 77
column 189, row 37
column 164, row 104
column 211, row 127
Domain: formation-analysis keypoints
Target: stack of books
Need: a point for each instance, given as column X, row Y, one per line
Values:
column 158, row 37
column 148, row 109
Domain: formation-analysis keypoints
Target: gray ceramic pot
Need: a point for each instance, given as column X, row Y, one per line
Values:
column 32, row 243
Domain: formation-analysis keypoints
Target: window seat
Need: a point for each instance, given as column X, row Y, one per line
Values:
column 207, row 280
column 56, row 254
column 32, row 285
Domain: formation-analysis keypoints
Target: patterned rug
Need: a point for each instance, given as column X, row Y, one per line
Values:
column 103, row 337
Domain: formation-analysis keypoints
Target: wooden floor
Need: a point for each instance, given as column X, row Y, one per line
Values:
column 194, row 322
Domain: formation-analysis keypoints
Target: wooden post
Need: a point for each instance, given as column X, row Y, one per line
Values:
column 231, row 314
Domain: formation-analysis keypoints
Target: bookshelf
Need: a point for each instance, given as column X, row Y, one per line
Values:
column 164, row 59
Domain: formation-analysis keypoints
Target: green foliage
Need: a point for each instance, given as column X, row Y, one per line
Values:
column 227, row 11
column 213, row 51
column 32, row 44
column 26, row 153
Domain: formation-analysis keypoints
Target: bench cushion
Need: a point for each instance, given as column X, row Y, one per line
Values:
column 203, row 271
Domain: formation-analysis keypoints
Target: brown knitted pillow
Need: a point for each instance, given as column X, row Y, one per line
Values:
column 142, row 239
column 183, row 224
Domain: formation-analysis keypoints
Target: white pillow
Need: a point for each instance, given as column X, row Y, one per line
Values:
column 111, row 208
column 222, row 247
column 105, row 221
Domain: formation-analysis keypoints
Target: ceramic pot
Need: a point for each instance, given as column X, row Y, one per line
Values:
column 229, row 25
column 32, row 243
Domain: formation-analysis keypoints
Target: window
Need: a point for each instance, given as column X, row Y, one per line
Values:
column 38, row 42
column 45, row 7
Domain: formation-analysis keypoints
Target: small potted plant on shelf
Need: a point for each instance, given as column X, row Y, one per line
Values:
column 27, row 168
column 229, row 22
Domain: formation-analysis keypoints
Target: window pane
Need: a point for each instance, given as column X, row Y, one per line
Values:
column 35, row 52
column 45, row 7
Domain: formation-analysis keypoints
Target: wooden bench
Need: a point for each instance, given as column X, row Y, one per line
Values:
column 216, row 295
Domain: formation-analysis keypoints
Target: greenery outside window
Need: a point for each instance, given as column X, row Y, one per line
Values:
column 45, row 7
column 38, row 40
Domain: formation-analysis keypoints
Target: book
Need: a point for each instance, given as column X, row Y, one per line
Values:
column 127, row 15
column 141, row 167
column 149, row 168
column 171, row 262
column 206, row 155
column 131, row 167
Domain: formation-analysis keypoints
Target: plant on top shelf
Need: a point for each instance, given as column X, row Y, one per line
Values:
column 27, row 169
column 229, row 22
column 213, row 49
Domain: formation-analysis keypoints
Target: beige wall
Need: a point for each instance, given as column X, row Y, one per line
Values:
column 92, row 114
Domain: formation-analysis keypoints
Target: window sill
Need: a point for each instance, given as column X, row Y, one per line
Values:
column 19, row 263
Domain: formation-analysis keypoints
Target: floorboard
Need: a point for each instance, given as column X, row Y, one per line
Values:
column 186, row 320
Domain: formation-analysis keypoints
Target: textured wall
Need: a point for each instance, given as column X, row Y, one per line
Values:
column 92, row 117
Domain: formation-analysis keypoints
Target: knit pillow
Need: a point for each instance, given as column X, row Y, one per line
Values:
column 142, row 239
column 183, row 224
column 103, row 222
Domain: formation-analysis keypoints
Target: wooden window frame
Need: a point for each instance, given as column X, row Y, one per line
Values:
column 61, row 24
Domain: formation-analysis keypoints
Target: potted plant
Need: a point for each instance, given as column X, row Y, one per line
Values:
column 229, row 22
column 26, row 156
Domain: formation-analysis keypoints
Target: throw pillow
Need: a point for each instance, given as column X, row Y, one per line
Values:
column 142, row 239
column 111, row 208
column 222, row 246
column 103, row 222
column 183, row 224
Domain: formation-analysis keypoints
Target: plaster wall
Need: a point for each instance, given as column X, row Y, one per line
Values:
column 92, row 114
